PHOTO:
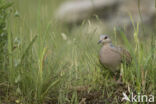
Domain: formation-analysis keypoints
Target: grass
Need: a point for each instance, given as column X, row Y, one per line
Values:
column 48, row 62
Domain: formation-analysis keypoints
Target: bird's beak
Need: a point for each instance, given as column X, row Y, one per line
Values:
column 99, row 41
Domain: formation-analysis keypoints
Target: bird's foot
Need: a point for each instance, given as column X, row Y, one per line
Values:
column 119, row 81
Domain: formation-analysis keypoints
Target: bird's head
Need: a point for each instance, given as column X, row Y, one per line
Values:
column 104, row 39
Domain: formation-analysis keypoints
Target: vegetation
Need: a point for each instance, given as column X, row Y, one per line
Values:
column 47, row 63
column 3, row 29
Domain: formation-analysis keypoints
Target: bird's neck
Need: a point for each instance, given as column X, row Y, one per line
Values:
column 108, row 44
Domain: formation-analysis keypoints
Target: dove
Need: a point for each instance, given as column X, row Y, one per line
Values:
column 111, row 56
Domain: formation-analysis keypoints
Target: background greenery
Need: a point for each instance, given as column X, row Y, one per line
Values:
column 3, row 29
column 48, row 62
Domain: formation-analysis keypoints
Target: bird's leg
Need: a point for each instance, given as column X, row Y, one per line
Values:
column 117, row 77
column 119, row 81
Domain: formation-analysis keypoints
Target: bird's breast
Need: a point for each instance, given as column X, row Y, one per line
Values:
column 109, row 58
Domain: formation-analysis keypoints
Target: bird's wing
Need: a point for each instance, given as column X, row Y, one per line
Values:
column 115, row 49
column 124, row 54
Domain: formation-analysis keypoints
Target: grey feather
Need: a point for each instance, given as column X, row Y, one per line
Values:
column 112, row 57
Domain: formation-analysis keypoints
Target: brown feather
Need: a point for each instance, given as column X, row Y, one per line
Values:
column 126, row 56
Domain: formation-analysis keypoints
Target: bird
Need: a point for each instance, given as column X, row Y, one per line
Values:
column 111, row 56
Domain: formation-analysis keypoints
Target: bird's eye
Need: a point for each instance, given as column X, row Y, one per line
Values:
column 106, row 37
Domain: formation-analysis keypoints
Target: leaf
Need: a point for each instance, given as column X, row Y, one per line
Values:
column 18, row 78
column 6, row 6
column 27, row 49
column 50, row 86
